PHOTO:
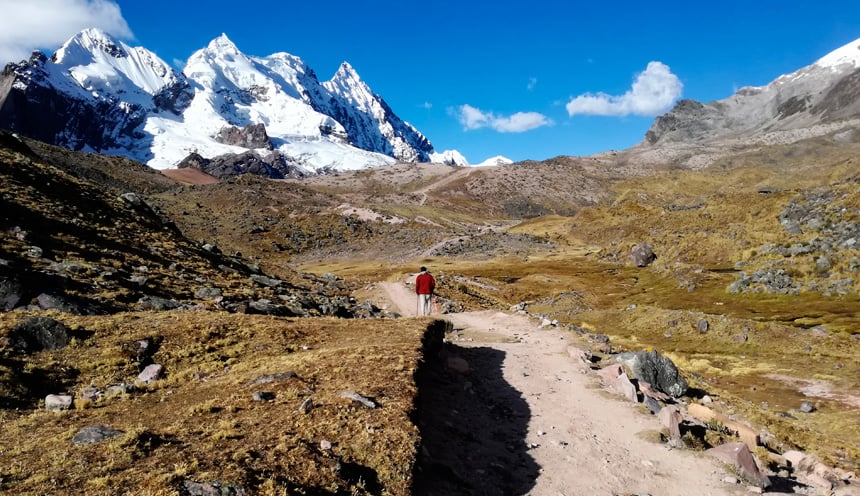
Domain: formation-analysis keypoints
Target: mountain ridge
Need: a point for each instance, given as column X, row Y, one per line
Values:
column 121, row 100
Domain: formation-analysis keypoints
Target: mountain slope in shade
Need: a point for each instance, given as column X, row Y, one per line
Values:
column 825, row 92
column 98, row 94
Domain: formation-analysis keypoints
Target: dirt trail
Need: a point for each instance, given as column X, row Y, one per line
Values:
column 526, row 419
column 447, row 179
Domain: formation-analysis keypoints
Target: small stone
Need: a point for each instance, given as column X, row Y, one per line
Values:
column 306, row 405
column 91, row 394
column 95, row 434
column 352, row 395
column 58, row 402
column 151, row 373
column 707, row 400
column 263, row 396
column 730, row 480
column 120, row 389
column 702, row 326
column 325, row 445
column 807, row 407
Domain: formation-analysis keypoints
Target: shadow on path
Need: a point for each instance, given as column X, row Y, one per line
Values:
column 473, row 428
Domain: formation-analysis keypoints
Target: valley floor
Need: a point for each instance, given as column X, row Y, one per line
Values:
column 510, row 412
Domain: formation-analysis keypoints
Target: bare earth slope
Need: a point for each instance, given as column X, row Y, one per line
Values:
column 573, row 439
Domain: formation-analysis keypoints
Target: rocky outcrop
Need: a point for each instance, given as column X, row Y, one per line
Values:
column 252, row 136
column 275, row 166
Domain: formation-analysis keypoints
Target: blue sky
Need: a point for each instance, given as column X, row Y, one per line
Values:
column 527, row 80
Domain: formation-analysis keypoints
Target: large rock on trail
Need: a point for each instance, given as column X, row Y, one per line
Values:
column 655, row 369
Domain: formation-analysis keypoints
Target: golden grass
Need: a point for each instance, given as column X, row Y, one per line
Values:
column 200, row 421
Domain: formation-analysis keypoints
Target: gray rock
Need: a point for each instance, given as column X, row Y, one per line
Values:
column 132, row 199
column 60, row 303
column 267, row 281
column 157, row 303
column 119, row 389
column 655, row 369
column 217, row 488
column 58, row 402
column 263, row 396
column 91, row 393
column 352, row 395
column 642, row 255
column 739, row 456
column 151, row 373
column 652, row 404
column 306, row 405
column 11, row 293
column 207, row 293
column 35, row 252
column 807, row 407
column 39, row 333
column 270, row 378
column 95, row 434
column 702, row 326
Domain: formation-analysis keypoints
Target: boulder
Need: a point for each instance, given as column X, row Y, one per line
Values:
column 655, row 369
column 642, row 255
column 739, row 456
column 58, row 402
column 39, row 333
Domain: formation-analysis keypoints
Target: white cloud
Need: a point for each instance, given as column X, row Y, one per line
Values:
column 427, row 105
column 532, row 84
column 47, row 24
column 472, row 118
column 653, row 92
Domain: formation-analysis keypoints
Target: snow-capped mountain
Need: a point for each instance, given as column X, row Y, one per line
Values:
column 825, row 92
column 497, row 160
column 449, row 157
column 98, row 94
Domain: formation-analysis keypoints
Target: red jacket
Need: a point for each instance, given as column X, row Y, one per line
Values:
column 424, row 283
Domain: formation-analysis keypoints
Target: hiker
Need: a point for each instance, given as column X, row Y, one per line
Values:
column 424, row 286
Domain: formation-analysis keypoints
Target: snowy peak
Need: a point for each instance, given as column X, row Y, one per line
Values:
column 122, row 100
column 819, row 97
column 847, row 55
column 223, row 45
column 82, row 48
column 101, row 64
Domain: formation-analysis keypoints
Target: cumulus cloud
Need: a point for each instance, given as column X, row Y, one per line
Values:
column 47, row 24
column 653, row 92
column 473, row 118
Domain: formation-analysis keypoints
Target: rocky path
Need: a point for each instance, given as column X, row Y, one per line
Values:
column 507, row 411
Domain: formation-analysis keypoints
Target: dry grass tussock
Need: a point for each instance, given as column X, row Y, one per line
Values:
column 201, row 423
